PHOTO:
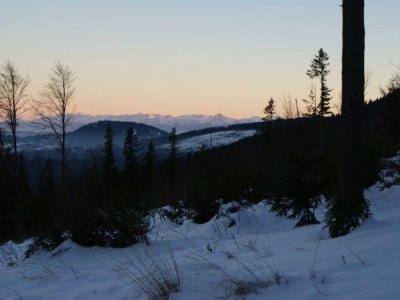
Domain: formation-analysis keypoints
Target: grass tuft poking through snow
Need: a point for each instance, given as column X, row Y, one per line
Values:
column 152, row 270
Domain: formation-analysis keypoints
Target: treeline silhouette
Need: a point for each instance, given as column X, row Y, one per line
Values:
column 284, row 164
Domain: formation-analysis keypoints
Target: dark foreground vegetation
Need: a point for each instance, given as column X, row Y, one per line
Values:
column 100, row 204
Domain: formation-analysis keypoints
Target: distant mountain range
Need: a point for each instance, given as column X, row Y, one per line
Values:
column 165, row 122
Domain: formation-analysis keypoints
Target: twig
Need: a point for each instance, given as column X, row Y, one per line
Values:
column 73, row 271
column 18, row 294
column 374, row 203
column 357, row 257
column 312, row 269
column 316, row 286
column 235, row 241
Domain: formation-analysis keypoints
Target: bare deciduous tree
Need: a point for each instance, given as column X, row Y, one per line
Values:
column 12, row 99
column 394, row 82
column 288, row 108
column 52, row 108
column 367, row 80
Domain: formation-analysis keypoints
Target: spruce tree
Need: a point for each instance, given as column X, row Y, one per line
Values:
column 131, row 147
column 6, row 190
column 269, row 110
column 149, row 175
column 131, row 189
column 108, row 157
column 172, row 158
column 109, row 165
column 319, row 69
column 172, row 168
column 149, row 165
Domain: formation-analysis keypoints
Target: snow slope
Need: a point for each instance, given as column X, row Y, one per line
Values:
column 215, row 139
column 215, row 260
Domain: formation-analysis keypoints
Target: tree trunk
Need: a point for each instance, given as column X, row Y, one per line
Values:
column 350, row 208
column 351, row 166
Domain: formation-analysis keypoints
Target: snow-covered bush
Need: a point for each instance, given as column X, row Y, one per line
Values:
column 390, row 174
column 9, row 253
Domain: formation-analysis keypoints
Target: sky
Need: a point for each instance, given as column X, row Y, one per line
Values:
column 190, row 57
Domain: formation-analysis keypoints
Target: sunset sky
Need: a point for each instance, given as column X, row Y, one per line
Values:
column 190, row 57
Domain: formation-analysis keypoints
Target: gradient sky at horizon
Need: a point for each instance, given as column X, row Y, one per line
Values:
column 190, row 57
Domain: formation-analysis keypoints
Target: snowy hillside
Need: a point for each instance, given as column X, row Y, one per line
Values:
column 246, row 253
column 215, row 139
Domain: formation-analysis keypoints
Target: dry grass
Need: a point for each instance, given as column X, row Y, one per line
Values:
column 151, row 271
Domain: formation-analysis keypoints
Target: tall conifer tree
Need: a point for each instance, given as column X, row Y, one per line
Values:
column 319, row 69
column 350, row 208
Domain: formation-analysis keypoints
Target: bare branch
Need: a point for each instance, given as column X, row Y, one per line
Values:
column 52, row 107
column 288, row 108
column 13, row 98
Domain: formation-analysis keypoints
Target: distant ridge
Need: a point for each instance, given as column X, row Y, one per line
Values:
column 92, row 134
column 182, row 123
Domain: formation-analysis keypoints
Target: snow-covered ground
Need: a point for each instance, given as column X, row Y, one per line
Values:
column 247, row 254
column 215, row 139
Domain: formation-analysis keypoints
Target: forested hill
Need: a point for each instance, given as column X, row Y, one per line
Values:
column 92, row 134
column 258, row 126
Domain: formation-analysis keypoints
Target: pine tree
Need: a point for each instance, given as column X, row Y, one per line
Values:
column 172, row 158
column 131, row 191
column 269, row 110
column 43, row 213
column 149, row 174
column 319, row 69
column 172, row 167
column 6, row 190
column 47, row 181
column 109, row 165
column 149, row 165
column 131, row 147
column 108, row 157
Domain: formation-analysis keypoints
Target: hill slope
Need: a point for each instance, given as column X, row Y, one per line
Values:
column 219, row 261
column 92, row 134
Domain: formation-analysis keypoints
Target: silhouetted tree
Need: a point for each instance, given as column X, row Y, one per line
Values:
column 319, row 69
column 131, row 147
column 149, row 168
column 7, row 208
column 12, row 100
column 43, row 213
column 269, row 110
column 108, row 166
column 350, row 208
column 53, row 108
column 311, row 108
column 108, row 150
column 172, row 158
